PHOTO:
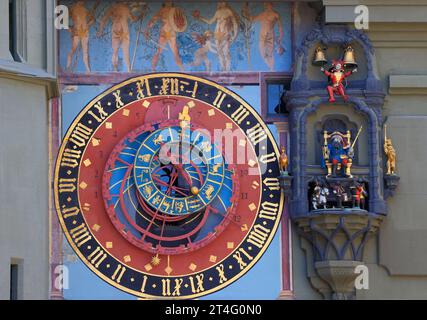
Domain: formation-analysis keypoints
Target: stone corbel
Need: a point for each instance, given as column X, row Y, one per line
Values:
column 391, row 181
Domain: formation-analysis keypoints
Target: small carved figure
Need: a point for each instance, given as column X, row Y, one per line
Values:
column 390, row 153
column 336, row 75
column 359, row 197
column 320, row 194
column 284, row 160
column 340, row 194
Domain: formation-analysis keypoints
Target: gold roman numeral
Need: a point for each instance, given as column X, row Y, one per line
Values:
column 67, row 185
column 256, row 134
column 140, row 85
column 166, row 287
column 100, row 114
column 221, row 273
column 119, row 102
column 80, row 235
column 70, row 158
column 269, row 210
column 81, row 135
column 272, row 183
column 267, row 158
column 197, row 283
column 239, row 255
column 219, row 99
column 70, row 212
column 258, row 235
column 240, row 115
column 144, row 283
column 118, row 274
column 97, row 257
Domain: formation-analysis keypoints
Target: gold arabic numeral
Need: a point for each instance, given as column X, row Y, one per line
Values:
column 119, row 102
column 240, row 115
column 196, row 283
column 97, row 257
column 81, row 135
column 219, row 99
column 258, row 235
column 67, row 185
column 272, row 184
column 118, row 273
column 239, row 255
column 256, row 134
column 269, row 210
column 221, row 273
column 99, row 115
column 70, row 212
column 70, row 158
column 80, row 235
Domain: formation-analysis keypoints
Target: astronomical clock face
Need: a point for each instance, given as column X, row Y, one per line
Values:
column 166, row 186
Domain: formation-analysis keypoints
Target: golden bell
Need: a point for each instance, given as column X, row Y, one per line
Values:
column 319, row 57
column 349, row 61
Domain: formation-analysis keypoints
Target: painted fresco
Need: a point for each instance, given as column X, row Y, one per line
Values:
column 133, row 36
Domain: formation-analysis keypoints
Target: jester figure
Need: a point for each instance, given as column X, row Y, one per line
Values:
column 336, row 75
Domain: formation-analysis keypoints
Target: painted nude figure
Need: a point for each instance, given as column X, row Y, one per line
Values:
column 201, row 54
column 226, row 31
column 172, row 21
column 267, row 42
column 82, row 20
column 120, row 14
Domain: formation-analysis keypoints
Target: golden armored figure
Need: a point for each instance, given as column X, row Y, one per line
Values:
column 284, row 161
column 184, row 118
column 391, row 156
column 390, row 152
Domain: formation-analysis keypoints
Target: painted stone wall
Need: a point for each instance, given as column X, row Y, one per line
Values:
column 154, row 36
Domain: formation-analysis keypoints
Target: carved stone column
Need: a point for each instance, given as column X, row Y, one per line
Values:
column 286, row 227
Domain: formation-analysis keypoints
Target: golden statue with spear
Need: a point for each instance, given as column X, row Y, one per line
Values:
column 390, row 153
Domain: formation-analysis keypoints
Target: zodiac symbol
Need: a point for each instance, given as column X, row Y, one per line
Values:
column 148, row 190
column 206, row 146
column 166, row 206
column 145, row 157
column 158, row 140
column 156, row 200
column 209, row 192
column 216, row 167
column 179, row 206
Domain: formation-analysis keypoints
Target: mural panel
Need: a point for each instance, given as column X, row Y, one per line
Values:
column 134, row 36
